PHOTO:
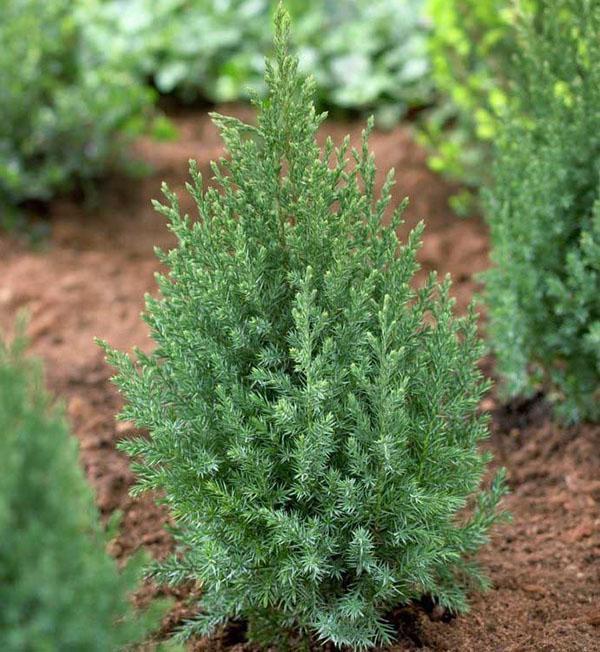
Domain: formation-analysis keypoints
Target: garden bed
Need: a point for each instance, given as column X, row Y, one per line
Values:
column 89, row 279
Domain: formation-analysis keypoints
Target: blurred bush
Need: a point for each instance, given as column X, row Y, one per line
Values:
column 544, row 212
column 59, row 589
column 66, row 110
column 472, row 45
column 365, row 54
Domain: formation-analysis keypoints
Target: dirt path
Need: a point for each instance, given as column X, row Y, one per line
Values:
column 89, row 281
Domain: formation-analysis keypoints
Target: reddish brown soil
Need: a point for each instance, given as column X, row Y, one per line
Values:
column 89, row 281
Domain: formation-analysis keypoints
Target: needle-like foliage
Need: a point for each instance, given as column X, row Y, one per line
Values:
column 59, row 588
column 313, row 419
column 544, row 213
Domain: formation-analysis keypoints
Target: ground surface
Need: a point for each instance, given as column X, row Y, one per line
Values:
column 89, row 281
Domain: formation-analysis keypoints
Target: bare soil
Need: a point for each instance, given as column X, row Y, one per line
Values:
column 89, row 279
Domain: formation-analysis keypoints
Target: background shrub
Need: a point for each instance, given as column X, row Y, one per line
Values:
column 363, row 53
column 65, row 110
column 313, row 418
column 471, row 45
column 544, row 213
column 59, row 589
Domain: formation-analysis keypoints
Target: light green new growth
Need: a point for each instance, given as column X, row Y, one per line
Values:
column 313, row 419
column 472, row 47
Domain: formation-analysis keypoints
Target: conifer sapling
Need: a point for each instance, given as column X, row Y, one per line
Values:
column 59, row 588
column 313, row 419
column 543, row 291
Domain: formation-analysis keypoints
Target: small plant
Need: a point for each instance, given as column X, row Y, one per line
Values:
column 66, row 113
column 313, row 418
column 544, row 213
column 59, row 589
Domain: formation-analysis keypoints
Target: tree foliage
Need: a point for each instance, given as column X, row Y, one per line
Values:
column 313, row 420
column 59, row 589
column 544, row 213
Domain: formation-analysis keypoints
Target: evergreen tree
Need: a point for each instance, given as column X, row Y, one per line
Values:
column 544, row 213
column 59, row 589
column 313, row 418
